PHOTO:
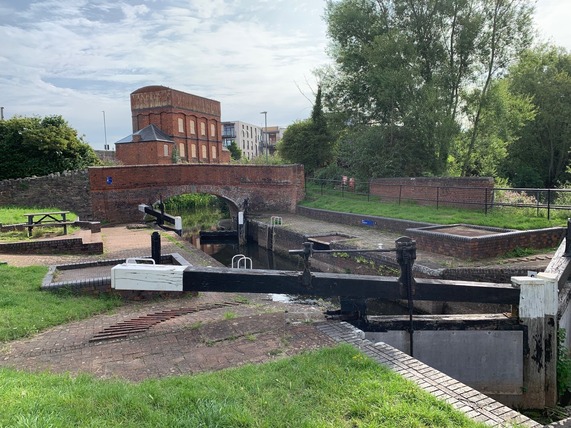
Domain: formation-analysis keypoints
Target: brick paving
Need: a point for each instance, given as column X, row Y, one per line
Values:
column 254, row 330
column 201, row 341
column 205, row 340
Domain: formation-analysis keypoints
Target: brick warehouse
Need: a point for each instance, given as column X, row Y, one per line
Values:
column 171, row 126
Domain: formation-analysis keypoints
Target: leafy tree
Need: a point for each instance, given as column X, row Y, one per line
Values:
column 372, row 151
column 309, row 142
column 294, row 146
column 505, row 34
column 41, row 146
column 540, row 158
column 420, row 72
column 235, row 151
column 502, row 117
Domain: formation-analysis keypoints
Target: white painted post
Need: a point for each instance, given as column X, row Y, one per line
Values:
column 538, row 311
column 551, row 328
column 241, row 228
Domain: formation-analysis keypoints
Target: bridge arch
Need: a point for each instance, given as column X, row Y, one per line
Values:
column 234, row 207
column 116, row 192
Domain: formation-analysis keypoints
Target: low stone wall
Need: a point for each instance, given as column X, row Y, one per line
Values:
column 62, row 245
column 93, row 226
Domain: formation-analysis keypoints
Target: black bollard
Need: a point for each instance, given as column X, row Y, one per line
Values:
column 406, row 255
column 156, row 247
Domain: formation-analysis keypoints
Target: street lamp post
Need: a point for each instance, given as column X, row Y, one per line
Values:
column 106, row 147
column 265, row 113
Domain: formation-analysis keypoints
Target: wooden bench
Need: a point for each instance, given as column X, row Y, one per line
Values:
column 47, row 219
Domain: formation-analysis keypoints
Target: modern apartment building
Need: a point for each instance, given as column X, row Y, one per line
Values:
column 171, row 126
column 248, row 137
column 275, row 134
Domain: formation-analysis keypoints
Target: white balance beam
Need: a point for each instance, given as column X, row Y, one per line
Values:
column 147, row 277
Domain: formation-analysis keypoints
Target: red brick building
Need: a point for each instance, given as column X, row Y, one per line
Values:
column 187, row 129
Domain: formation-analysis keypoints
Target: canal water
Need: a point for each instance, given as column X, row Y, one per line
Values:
column 224, row 252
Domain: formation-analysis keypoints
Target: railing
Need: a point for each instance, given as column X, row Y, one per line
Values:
column 459, row 196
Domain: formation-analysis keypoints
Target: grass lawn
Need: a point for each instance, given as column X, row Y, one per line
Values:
column 17, row 215
column 26, row 310
column 503, row 217
column 336, row 387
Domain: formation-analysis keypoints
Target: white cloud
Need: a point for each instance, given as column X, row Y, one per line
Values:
column 552, row 21
column 78, row 58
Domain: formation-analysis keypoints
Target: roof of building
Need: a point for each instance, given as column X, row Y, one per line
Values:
column 148, row 133
column 151, row 88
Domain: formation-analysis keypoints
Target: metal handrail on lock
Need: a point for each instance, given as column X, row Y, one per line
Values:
column 240, row 261
column 276, row 220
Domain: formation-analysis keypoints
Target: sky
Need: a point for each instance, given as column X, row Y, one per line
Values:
column 81, row 59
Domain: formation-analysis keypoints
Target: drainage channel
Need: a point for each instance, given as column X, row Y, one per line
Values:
column 141, row 324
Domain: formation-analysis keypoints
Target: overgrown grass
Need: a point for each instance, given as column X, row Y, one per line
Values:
column 329, row 388
column 26, row 310
column 502, row 217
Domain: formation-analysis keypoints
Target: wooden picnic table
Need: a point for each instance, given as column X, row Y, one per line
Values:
column 53, row 218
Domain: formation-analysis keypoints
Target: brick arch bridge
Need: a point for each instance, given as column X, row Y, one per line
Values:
column 115, row 192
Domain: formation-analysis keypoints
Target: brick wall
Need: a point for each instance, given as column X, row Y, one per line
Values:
column 67, row 191
column 467, row 192
column 483, row 247
column 116, row 192
column 144, row 153
column 166, row 108
column 285, row 240
column 471, row 248
column 47, row 246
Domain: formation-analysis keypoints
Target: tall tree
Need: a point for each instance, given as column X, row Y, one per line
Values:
column 41, row 146
column 406, row 67
column 502, row 118
column 541, row 156
column 309, row 142
column 506, row 33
